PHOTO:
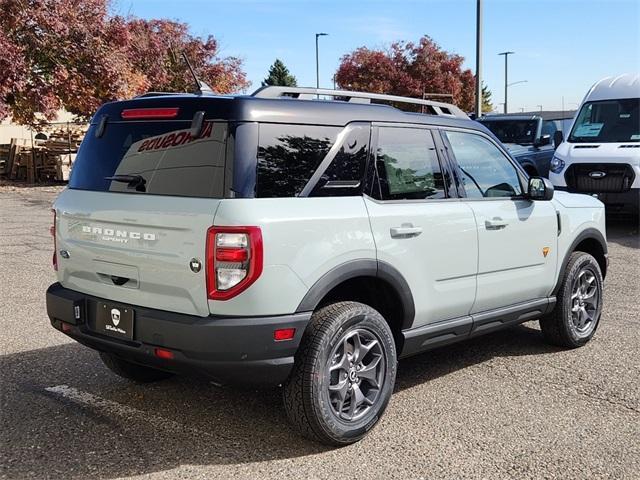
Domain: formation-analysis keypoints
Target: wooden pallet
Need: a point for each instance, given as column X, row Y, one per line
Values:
column 45, row 160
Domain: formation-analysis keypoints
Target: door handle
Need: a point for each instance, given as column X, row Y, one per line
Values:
column 406, row 230
column 496, row 223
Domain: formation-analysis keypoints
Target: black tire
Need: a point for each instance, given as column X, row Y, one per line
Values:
column 531, row 171
column 308, row 403
column 132, row 371
column 559, row 327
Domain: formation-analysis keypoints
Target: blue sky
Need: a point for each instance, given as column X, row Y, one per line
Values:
column 562, row 46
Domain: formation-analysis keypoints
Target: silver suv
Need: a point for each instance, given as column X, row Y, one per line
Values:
column 286, row 238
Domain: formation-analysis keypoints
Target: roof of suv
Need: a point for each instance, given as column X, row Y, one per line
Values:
column 250, row 108
column 508, row 117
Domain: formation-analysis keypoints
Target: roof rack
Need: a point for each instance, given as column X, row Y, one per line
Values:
column 305, row 93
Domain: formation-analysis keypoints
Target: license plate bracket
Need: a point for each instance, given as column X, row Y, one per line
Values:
column 115, row 320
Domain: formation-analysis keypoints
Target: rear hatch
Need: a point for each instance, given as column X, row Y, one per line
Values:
column 144, row 189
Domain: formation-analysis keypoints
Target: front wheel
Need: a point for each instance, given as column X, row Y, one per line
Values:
column 343, row 374
column 576, row 315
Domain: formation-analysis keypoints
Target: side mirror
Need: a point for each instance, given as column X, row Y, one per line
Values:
column 540, row 189
column 543, row 140
column 558, row 138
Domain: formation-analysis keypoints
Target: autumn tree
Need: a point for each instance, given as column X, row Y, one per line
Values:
column 73, row 54
column 279, row 75
column 408, row 69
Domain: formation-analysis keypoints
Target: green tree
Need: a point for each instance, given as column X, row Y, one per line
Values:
column 279, row 75
column 487, row 104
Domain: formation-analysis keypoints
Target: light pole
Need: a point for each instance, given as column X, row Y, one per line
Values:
column 479, row 59
column 318, row 35
column 506, row 76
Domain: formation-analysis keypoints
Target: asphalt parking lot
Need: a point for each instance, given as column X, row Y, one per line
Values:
column 501, row 406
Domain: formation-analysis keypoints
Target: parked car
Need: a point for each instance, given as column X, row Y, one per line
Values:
column 529, row 139
column 280, row 239
column 601, row 155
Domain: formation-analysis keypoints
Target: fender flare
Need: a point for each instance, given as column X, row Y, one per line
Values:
column 362, row 268
column 588, row 233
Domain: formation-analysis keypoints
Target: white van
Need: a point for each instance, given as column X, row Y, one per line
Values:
column 601, row 154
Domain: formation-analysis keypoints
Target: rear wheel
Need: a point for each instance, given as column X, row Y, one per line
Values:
column 132, row 371
column 576, row 315
column 343, row 375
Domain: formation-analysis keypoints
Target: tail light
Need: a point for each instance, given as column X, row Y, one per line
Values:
column 149, row 113
column 234, row 260
column 52, row 231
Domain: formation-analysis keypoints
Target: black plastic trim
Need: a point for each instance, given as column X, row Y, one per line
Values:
column 362, row 268
column 427, row 337
column 584, row 235
column 228, row 349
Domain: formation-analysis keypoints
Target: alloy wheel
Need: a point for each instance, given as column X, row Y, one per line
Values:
column 585, row 302
column 356, row 373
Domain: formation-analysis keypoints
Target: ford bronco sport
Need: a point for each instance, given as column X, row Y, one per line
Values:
column 286, row 238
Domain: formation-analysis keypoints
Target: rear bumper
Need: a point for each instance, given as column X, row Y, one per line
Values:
column 229, row 350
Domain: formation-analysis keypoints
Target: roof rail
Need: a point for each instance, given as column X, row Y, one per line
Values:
column 304, row 93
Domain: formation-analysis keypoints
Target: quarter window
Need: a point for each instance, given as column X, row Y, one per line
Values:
column 408, row 165
column 484, row 170
column 343, row 176
column 288, row 155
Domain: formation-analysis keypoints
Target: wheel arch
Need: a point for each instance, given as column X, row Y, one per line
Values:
column 373, row 282
column 590, row 241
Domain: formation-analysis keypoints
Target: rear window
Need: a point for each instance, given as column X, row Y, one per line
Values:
column 522, row 132
column 153, row 157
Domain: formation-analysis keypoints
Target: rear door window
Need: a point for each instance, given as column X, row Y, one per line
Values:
column 408, row 166
column 159, row 157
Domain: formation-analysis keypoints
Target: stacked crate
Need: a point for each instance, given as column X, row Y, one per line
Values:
column 43, row 160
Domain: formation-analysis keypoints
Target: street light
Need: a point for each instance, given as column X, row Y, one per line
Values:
column 318, row 35
column 506, row 76
column 479, row 59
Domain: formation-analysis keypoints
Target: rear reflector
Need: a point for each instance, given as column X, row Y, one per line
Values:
column 163, row 353
column 231, row 254
column 283, row 334
column 149, row 113
column 65, row 327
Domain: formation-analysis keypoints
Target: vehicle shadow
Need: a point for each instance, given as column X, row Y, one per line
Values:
column 624, row 230
column 65, row 414
column 512, row 342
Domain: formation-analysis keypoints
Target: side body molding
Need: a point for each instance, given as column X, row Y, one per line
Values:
column 362, row 268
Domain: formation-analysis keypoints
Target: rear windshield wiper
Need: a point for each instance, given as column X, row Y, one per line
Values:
column 133, row 181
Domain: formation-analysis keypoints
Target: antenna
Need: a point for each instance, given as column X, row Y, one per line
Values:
column 201, row 87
